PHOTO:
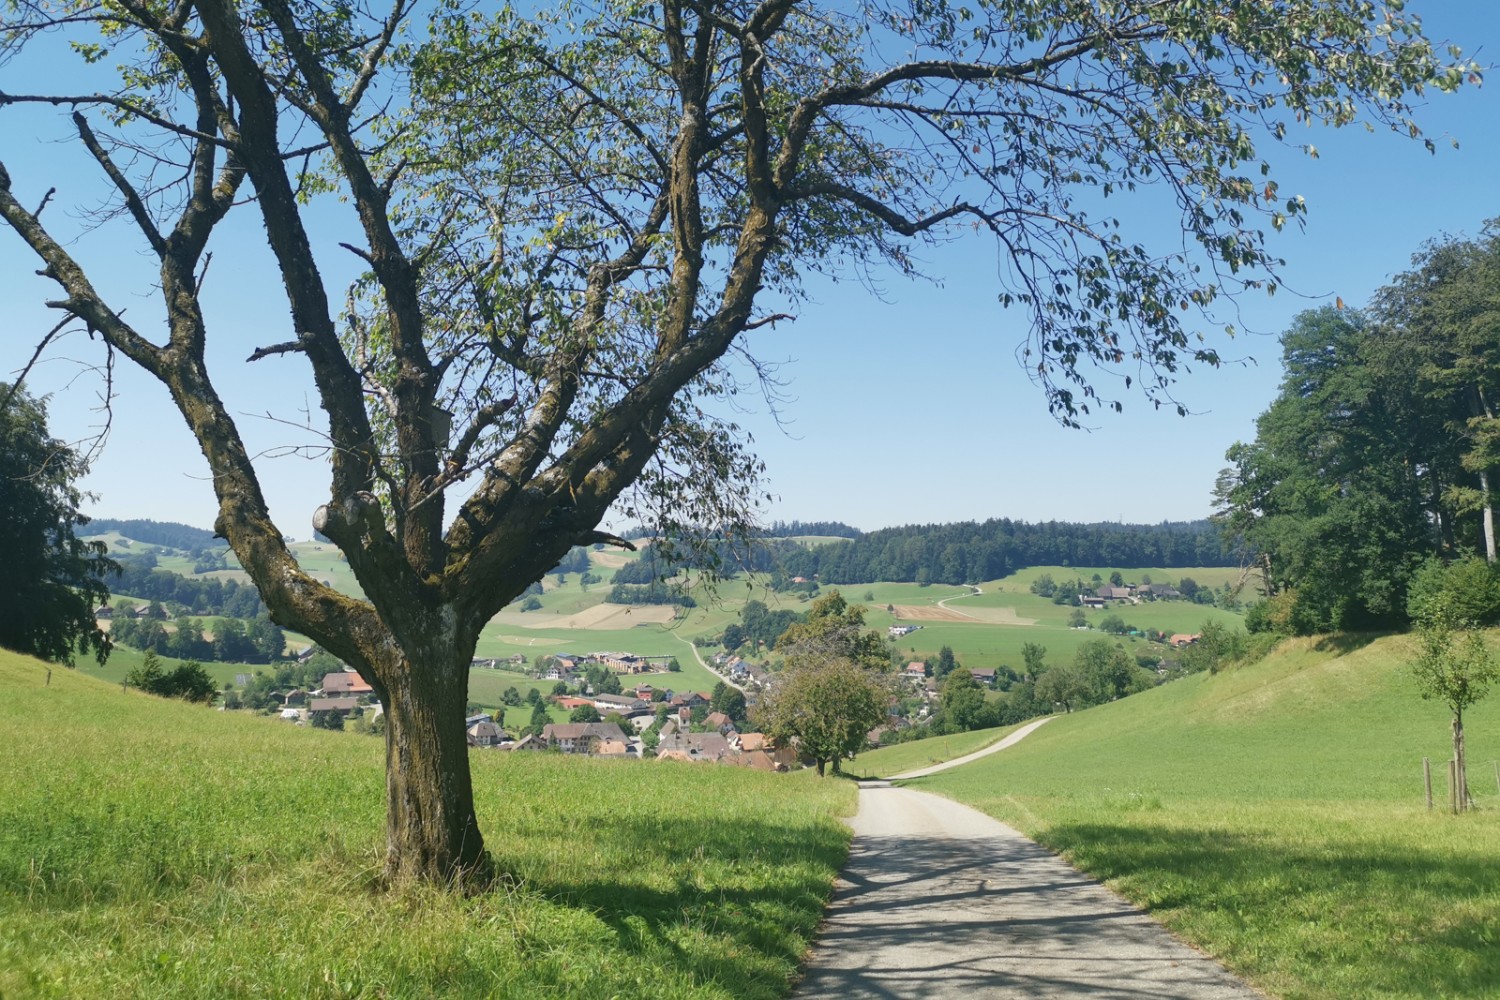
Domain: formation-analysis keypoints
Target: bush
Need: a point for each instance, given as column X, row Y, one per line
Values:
column 1467, row 590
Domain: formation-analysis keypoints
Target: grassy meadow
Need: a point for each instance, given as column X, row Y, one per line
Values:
column 155, row 849
column 1273, row 815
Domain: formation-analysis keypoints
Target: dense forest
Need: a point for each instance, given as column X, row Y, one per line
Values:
column 969, row 552
column 1379, row 453
column 966, row 552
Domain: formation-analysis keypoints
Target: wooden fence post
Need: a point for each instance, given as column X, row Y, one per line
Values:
column 1427, row 779
column 1453, row 785
column 1497, row 774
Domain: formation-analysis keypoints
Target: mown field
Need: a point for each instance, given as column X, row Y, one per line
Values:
column 1273, row 815
column 154, row 849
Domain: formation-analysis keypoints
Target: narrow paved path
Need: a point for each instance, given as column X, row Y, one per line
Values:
column 996, row 747
column 940, row 902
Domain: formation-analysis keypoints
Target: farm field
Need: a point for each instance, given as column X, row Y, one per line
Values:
column 1273, row 815
column 153, row 848
column 921, row 753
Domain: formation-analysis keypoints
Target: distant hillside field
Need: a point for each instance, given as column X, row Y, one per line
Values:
column 151, row 848
column 986, row 629
column 1273, row 815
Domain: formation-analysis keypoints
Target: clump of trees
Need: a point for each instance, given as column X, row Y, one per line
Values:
column 188, row 681
column 835, row 685
column 1379, row 453
column 259, row 640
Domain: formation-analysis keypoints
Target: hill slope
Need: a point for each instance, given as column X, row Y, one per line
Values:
column 152, row 848
column 1274, row 816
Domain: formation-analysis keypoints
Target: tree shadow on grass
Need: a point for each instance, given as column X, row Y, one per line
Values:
column 1414, row 923
column 743, row 903
column 1344, row 643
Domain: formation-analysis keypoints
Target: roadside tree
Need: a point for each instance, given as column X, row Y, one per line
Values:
column 1455, row 667
column 568, row 216
column 825, row 706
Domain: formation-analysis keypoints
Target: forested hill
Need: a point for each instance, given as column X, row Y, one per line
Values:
column 969, row 552
column 168, row 533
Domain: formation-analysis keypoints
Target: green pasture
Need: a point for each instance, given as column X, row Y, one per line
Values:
column 1273, row 815
column 123, row 659
column 155, row 849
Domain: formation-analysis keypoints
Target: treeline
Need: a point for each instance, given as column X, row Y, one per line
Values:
column 970, row 552
column 656, row 592
column 168, row 533
column 199, row 595
column 966, row 552
column 795, row 529
column 1381, row 450
column 258, row 640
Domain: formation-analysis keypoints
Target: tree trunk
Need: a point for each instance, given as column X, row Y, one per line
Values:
column 432, row 834
column 1462, row 778
column 821, row 764
column 1489, row 517
column 1484, row 488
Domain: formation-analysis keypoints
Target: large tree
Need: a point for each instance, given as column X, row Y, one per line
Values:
column 50, row 579
column 569, row 216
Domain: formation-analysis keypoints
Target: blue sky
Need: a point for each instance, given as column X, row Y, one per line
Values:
column 903, row 407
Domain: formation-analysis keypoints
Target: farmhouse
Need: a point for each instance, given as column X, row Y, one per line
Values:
column 579, row 737
column 984, row 675
column 345, row 682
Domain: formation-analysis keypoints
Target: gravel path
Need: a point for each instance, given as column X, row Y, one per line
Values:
column 940, row 901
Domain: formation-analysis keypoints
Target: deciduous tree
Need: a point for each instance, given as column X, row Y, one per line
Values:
column 1455, row 667
column 568, row 217
column 50, row 580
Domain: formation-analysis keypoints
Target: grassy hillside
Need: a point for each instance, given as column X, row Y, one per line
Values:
column 151, row 848
column 1273, row 815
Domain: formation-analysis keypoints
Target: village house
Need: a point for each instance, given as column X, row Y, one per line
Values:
column 579, row 737
column 345, row 682
column 721, row 722
column 710, row 747
column 623, row 704
column 485, row 734
column 342, row 705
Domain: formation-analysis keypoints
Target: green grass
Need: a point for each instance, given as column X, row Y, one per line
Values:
column 1273, row 815
column 151, row 848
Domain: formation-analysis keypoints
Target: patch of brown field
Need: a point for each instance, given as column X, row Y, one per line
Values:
column 928, row 613
column 609, row 560
column 986, row 616
column 600, row 617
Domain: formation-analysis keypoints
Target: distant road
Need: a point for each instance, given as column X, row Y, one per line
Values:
column 705, row 666
column 973, row 592
column 996, row 747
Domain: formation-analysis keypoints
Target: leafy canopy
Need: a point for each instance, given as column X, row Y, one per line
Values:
column 50, row 580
